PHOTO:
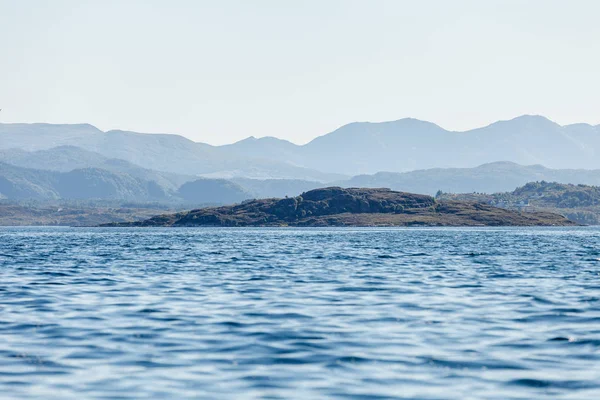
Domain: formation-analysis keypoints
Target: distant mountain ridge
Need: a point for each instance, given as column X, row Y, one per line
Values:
column 409, row 144
column 161, row 152
column 357, row 148
column 18, row 184
column 487, row 178
column 33, row 175
column 68, row 158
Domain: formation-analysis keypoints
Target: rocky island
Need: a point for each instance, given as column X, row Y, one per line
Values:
column 335, row 206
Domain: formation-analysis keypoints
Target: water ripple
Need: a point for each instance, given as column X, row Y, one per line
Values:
column 300, row 313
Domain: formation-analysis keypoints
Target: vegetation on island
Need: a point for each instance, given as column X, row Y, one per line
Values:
column 335, row 206
column 580, row 203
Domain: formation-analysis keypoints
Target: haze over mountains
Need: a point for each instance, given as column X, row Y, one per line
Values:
column 168, row 153
column 68, row 158
column 409, row 144
column 46, row 161
column 487, row 178
column 356, row 148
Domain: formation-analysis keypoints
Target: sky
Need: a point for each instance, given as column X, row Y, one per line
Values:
column 220, row 71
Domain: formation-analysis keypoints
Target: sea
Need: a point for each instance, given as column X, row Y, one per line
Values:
column 286, row 313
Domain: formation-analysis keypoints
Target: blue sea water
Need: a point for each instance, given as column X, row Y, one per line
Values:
column 300, row 313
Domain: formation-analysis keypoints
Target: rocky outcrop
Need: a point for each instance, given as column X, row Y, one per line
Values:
column 336, row 206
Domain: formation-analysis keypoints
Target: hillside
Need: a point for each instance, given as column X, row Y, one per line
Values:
column 410, row 144
column 161, row 152
column 356, row 148
column 68, row 158
column 580, row 203
column 31, row 137
column 118, row 179
column 487, row 178
column 335, row 206
column 20, row 184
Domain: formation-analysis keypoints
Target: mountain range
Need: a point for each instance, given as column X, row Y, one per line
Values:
column 17, row 183
column 494, row 177
column 357, row 148
column 107, row 181
column 51, row 162
column 161, row 152
column 410, row 144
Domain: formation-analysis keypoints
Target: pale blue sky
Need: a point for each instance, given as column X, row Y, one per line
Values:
column 219, row 71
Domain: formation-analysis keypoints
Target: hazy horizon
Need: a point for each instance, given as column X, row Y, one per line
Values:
column 221, row 72
column 309, row 139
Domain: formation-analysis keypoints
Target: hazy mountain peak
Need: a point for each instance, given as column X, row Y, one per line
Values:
column 498, row 164
column 402, row 122
column 264, row 139
column 581, row 125
column 532, row 117
column 412, row 122
column 528, row 120
column 39, row 136
column 364, row 131
column 508, row 166
column 120, row 131
column 85, row 126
